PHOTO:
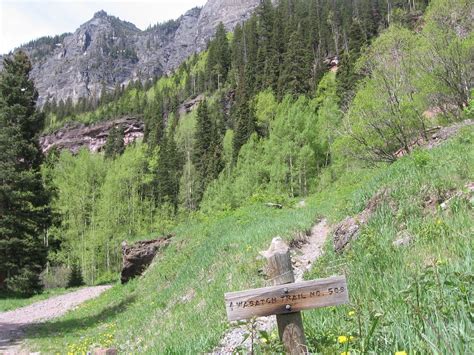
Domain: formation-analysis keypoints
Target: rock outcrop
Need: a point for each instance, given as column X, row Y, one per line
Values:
column 106, row 52
column 348, row 230
column 137, row 257
column 75, row 136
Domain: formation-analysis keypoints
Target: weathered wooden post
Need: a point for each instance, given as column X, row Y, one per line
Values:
column 280, row 271
column 286, row 298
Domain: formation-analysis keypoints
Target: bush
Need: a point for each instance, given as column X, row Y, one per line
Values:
column 75, row 278
column 55, row 277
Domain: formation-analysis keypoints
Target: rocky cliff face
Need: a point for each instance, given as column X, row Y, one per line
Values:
column 75, row 136
column 106, row 51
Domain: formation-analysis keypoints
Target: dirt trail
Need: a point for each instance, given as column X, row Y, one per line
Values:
column 303, row 255
column 13, row 323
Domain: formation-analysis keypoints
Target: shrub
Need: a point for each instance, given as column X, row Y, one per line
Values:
column 75, row 278
column 55, row 277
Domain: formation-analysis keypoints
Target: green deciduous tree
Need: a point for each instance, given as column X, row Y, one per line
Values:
column 386, row 114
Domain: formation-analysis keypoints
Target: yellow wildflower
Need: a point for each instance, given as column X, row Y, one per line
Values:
column 351, row 313
column 346, row 353
column 401, row 353
column 341, row 339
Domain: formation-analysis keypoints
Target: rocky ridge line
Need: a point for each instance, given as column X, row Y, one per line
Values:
column 105, row 51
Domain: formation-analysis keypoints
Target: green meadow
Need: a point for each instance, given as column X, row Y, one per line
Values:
column 415, row 298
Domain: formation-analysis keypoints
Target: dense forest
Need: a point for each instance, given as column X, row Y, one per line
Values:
column 296, row 95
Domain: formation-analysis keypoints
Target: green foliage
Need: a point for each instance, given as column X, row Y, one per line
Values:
column 169, row 172
column 24, row 202
column 448, row 49
column 207, row 150
column 75, row 277
column 469, row 110
column 217, row 253
column 115, row 145
column 260, row 136
column 296, row 66
column 285, row 163
column 386, row 114
column 205, row 251
column 100, row 204
column 218, row 60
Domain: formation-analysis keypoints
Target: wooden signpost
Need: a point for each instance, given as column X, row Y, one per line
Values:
column 286, row 298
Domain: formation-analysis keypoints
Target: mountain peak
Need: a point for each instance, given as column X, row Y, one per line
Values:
column 106, row 51
column 100, row 14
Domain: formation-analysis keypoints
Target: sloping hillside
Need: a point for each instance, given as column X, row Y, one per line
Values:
column 413, row 297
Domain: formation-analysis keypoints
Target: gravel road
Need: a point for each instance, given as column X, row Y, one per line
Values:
column 13, row 323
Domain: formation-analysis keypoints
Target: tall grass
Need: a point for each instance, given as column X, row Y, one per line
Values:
column 412, row 298
column 178, row 305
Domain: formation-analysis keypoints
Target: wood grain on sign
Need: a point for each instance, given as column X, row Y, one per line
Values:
column 287, row 298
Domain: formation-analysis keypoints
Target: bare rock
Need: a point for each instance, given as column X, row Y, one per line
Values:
column 301, row 204
column 190, row 105
column 109, row 351
column 75, row 136
column 344, row 232
column 137, row 257
column 348, row 229
column 109, row 52
column 274, row 205
column 403, row 239
column 435, row 135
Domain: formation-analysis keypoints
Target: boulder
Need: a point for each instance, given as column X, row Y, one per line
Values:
column 137, row 257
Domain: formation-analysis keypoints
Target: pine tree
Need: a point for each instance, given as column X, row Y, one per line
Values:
column 218, row 61
column 265, row 44
column 169, row 171
column 250, row 43
column 115, row 144
column 296, row 71
column 347, row 78
column 24, row 202
column 75, row 277
column 207, row 157
column 204, row 131
column 244, row 118
column 154, row 124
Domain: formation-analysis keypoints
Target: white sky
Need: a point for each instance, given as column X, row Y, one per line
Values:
column 25, row 20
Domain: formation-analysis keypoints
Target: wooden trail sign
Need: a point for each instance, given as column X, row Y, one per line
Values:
column 286, row 298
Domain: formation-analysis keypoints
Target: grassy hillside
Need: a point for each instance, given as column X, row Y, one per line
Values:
column 412, row 298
